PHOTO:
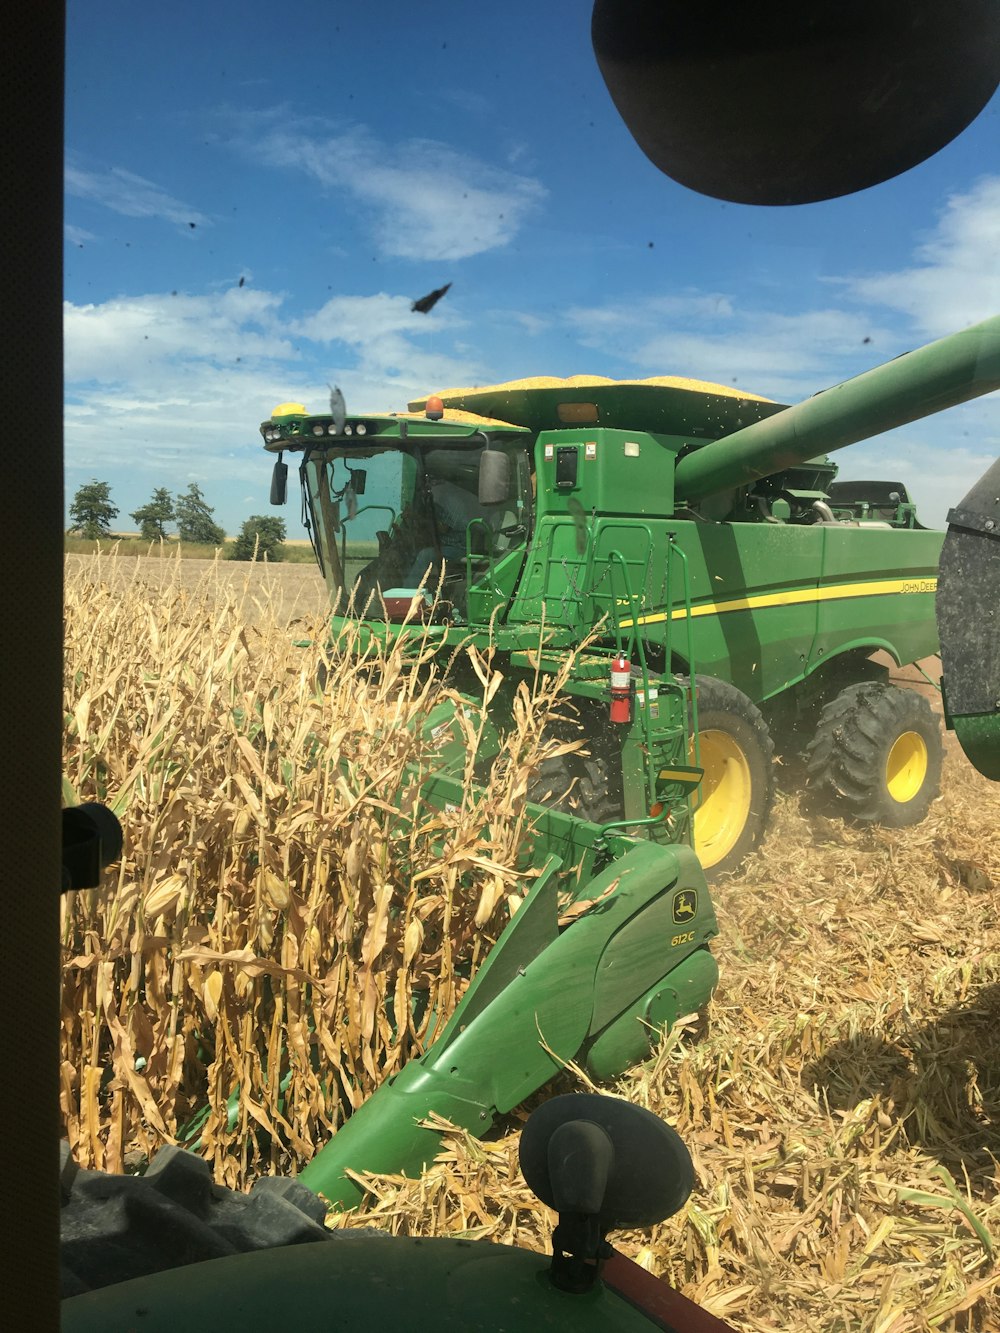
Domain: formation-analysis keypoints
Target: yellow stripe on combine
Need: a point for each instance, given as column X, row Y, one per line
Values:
column 685, row 775
column 793, row 597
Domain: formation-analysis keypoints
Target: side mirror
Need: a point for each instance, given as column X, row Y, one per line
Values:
column 279, row 483
column 494, row 477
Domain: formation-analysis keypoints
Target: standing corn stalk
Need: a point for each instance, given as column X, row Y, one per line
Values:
column 286, row 921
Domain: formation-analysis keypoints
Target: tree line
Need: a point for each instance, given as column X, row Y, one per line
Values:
column 92, row 513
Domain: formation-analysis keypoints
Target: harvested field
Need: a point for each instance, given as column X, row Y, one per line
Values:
column 285, row 591
column 841, row 1097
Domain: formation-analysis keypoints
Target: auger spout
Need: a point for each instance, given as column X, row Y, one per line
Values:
column 943, row 374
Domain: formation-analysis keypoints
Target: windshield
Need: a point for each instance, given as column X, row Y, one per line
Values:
column 406, row 518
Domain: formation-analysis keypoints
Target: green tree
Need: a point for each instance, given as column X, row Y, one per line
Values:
column 92, row 510
column 194, row 518
column 154, row 515
column 263, row 532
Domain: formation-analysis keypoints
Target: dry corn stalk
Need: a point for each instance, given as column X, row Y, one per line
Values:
column 286, row 918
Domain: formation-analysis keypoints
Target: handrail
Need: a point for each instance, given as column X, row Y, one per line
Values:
column 469, row 557
column 673, row 547
column 616, row 559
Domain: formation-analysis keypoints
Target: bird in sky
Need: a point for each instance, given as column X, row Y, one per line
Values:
column 338, row 408
column 429, row 301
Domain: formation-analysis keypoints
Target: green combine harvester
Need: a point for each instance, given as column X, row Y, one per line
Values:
column 684, row 554
column 723, row 593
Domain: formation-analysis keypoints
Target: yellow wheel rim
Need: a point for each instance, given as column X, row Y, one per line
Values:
column 906, row 767
column 722, row 801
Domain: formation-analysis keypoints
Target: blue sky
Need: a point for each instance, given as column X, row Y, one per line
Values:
column 343, row 160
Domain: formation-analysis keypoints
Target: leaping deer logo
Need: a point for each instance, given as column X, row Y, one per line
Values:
column 685, row 905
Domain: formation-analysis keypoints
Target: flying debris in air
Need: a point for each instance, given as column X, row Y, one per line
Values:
column 338, row 409
column 429, row 301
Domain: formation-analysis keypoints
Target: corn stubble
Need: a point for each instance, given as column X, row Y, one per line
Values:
column 841, row 1097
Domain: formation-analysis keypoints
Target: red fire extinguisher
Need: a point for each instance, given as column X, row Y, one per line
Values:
column 621, row 689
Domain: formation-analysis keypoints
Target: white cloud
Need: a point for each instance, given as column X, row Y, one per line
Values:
column 706, row 336
column 132, row 196
column 531, row 324
column 379, row 329
column 77, row 235
column 472, row 103
column 955, row 279
column 126, row 339
column 428, row 201
column 361, row 320
column 168, row 429
column 952, row 281
column 163, row 390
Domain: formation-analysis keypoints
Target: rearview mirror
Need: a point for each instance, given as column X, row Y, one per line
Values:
column 279, row 483
column 494, row 477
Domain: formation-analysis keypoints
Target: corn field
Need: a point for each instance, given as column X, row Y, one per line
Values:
column 285, row 918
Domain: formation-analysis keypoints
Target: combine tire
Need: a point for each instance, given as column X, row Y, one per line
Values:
column 732, row 805
column 876, row 755
column 578, row 786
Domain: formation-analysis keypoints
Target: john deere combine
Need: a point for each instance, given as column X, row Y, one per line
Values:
column 681, row 533
column 703, row 541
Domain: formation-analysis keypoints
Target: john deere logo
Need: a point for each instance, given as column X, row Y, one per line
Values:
column 685, row 906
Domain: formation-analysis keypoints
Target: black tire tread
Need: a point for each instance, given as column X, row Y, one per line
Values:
column 845, row 760
column 579, row 785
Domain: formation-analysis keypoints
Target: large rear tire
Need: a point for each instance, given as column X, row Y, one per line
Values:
column 733, row 802
column 876, row 755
